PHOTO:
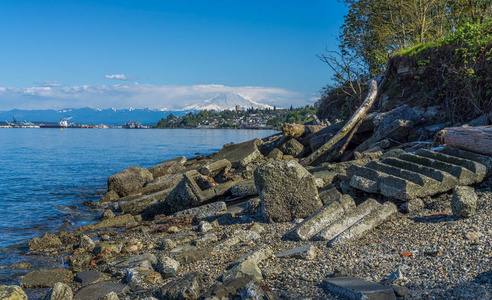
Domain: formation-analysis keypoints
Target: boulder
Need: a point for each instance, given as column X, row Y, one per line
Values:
column 110, row 196
column 60, row 291
column 464, row 201
column 46, row 278
column 403, row 112
column 287, row 191
column 129, row 180
column 275, row 154
column 292, row 147
column 241, row 154
column 48, row 241
column 168, row 167
column 12, row 292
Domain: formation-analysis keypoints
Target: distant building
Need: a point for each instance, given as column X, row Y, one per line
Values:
column 238, row 107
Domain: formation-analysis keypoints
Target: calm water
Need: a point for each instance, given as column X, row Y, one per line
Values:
column 46, row 174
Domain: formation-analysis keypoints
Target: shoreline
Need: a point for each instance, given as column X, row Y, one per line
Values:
column 150, row 254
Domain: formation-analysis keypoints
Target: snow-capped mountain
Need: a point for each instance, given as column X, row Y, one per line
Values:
column 226, row 101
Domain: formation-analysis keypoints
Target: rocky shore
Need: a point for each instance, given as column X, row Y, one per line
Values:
column 391, row 218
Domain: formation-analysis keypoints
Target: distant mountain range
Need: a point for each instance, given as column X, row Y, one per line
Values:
column 111, row 116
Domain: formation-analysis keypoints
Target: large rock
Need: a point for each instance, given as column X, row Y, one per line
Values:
column 12, row 292
column 292, row 147
column 464, row 201
column 48, row 241
column 240, row 154
column 60, row 291
column 46, row 278
column 287, row 191
column 168, row 167
column 129, row 180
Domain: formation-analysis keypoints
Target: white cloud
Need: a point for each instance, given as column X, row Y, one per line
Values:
column 138, row 96
column 118, row 76
column 48, row 83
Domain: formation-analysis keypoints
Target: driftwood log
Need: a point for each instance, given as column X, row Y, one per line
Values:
column 474, row 139
column 358, row 115
column 298, row 130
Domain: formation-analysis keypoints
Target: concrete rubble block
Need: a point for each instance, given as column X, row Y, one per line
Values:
column 412, row 205
column 45, row 278
column 48, row 241
column 129, row 180
column 184, row 288
column 482, row 159
column 244, row 268
column 217, row 167
column 204, row 211
column 168, row 167
column 463, row 175
column 241, row 154
column 258, row 256
column 317, row 221
column 59, row 291
column 244, row 189
column 12, row 292
column 358, row 288
column 193, row 190
column 306, row 252
column 366, row 224
column 347, row 220
column 478, row 169
column 328, row 194
column 118, row 221
column 373, row 181
column 159, row 184
column 101, row 289
column 138, row 205
column 326, row 176
column 275, row 154
column 287, row 191
column 464, row 201
column 292, row 147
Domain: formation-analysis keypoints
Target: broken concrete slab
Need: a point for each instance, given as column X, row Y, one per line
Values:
column 287, row 191
column 328, row 194
column 423, row 173
column 168, row 167
column 244, row 189
column 204, row 211
column 193, row 190
column 358, row 288
column 346, row 220
column 129, row 180
column 218, row 167
column 275, row 154
column 317, row 221
column 240, row 154
column 137, row 205
column 306, row 252
column 366, row 224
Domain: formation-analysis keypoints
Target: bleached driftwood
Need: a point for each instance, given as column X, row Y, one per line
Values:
column 357, row 116
column 474, row 139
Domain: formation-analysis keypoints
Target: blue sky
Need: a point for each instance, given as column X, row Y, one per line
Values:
column 163, row 54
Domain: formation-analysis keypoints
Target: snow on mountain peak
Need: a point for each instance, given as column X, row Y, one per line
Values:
column 226, row 101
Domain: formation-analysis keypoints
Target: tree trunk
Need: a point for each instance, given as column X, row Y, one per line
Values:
column 474, row 139
column 358, row 115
